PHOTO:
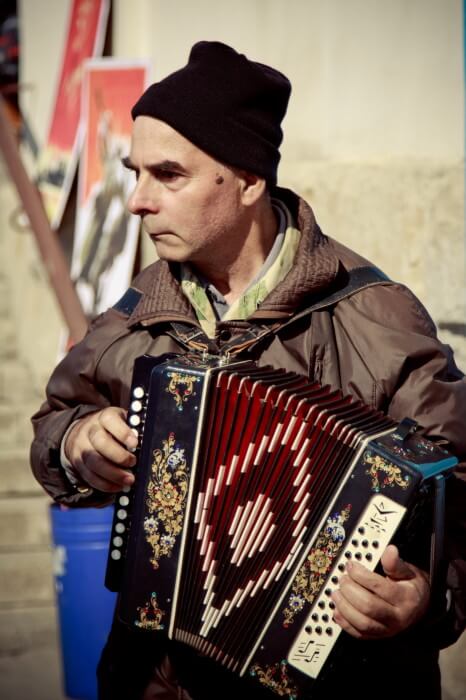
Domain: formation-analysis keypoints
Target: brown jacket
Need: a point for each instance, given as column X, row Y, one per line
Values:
column 379, row 345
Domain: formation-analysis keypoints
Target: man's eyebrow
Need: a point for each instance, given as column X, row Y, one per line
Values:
column 167, row 165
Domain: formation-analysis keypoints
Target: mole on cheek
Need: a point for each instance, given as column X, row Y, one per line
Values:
column 219, row 180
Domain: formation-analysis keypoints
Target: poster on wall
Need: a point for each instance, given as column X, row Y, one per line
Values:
column 106, row 234
column 58, row 159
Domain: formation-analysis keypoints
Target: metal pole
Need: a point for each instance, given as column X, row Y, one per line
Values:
column 49, row 246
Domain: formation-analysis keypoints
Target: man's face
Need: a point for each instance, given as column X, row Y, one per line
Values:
column 190, row 204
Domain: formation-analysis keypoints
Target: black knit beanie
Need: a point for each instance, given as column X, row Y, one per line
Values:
column 225, row 104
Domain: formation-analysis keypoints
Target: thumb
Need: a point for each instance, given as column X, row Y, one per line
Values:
column 393, row 565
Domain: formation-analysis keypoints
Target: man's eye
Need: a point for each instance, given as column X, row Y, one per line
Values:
column 167, row 175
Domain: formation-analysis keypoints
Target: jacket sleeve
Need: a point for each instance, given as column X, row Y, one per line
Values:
column 416, row 376
column 72, row 392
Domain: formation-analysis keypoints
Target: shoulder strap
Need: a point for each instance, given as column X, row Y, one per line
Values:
column 359, row 278
column 194, row 338
column 128, row 301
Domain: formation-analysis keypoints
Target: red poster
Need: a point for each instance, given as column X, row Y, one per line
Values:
column 57, row 162
column 106, row 234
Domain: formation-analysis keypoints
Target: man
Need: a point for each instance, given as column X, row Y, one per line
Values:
column 236, row 254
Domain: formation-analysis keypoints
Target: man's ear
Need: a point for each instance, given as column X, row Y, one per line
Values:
column 252, row 187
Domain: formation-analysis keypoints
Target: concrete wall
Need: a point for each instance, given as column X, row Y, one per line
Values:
column 374, row 139
column 370, row 79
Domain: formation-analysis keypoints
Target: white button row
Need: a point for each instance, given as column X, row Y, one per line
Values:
column 134, row 420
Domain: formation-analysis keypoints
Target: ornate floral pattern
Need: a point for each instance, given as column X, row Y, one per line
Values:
column 275, row 677
column 181, row 386
column 384, row 474
column 150, row 615
column 166, row 497
column 311, row 576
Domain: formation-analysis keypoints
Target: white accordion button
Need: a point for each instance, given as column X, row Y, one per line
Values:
column 116, row 554
column 121, row 513
column 134, row 420
column 120, row 528
column 138, row 392
column 123, row 500
column 117, row 541
column 136, row 406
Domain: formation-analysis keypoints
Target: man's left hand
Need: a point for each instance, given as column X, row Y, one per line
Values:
column 372, row 606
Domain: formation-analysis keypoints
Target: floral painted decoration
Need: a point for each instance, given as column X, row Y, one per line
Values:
column 384, row 474
column 275, row 677
column 150, row 615
column 312, row 574
column 166, row 499
column 181, row 386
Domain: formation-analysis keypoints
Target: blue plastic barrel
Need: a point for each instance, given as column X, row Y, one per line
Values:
column 85, row 606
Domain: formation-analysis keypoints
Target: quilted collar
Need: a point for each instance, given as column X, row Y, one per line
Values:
column 315, row 269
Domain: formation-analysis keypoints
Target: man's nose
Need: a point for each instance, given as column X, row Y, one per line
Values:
column 143, row 199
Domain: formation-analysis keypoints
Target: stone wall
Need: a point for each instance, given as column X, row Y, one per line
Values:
column 406, row 216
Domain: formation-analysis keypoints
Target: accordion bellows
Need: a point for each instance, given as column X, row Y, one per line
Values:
column 253, row 488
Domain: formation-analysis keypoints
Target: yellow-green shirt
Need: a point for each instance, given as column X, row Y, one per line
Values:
column 275, row 268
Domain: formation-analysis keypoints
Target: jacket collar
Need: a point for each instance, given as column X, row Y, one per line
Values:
column 315, row 269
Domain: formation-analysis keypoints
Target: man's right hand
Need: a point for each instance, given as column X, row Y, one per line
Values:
column 98, row 447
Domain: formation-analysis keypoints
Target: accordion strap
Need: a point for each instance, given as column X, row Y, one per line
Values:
column 194, row 338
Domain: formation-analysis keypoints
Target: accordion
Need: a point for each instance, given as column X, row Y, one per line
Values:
column 254, row 487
